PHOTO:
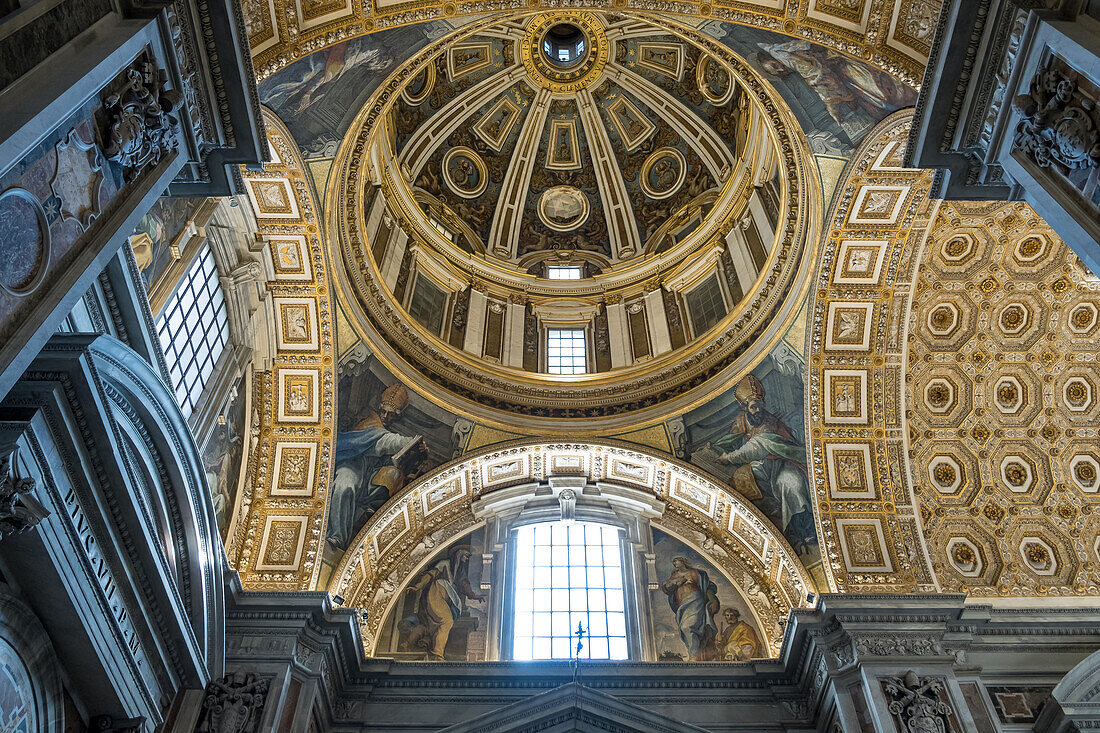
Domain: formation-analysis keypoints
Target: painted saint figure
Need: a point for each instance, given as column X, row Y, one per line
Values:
column 440, row 594
column 693, row 597
column 856, row 95
column 737, row 642
column 771, row 464
column 372, row 463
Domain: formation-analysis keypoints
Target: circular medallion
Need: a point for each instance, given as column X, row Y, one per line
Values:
column 563, row 208
column 714, row 81
column 420, row 86
column 663, row 173
column 26, row 242
column 564, row 52
column 465, row 172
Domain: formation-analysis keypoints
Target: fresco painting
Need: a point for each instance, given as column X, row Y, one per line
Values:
column 318, row 96
column 386, row 437
column 753, row 438
column 836, row 98
column 442, row 614
column 157, row 231
column 223, row 454
column 698, row 615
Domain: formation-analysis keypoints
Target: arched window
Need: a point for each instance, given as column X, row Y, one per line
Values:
column 568, row 579
column 193, row 330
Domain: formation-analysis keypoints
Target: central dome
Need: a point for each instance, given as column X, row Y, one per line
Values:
column 578, row 180
column 633, row 139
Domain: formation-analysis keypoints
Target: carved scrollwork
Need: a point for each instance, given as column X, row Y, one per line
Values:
column 141, row 128
column 19, row 511
column 896, row 646
column 1059, row 127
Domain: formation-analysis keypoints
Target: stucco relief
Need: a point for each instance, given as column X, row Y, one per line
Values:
column 1024, row 447
column 275, row 534
column 869, row 533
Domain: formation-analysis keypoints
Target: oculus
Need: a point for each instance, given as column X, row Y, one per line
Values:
column 563, row 208
column 564, row 52
column 564, row 45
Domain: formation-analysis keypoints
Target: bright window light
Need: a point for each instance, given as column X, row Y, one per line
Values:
column 565, row 351
column 193, row 330
column 568, row 574
column 563, row 272
column 441, row 228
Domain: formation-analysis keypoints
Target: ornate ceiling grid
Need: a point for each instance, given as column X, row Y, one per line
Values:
column 276, row 540
column 1003, row 403
column 869, row 530
column 894, row 35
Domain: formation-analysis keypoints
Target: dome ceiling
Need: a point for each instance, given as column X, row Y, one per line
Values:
column 656, row 162
column 603, row 160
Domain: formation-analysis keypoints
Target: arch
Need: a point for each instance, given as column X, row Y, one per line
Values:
column 1074, row 703
column 26, row 650
column 282, row 196
column 867, row 516
column 732, row 533
column 147, row 415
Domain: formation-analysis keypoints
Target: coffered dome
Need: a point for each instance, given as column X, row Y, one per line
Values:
column 628, row 181
column 565, row 139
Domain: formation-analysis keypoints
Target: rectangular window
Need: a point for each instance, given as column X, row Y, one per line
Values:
column 568, row 576
column 565, row 351
column 193, row 330
column 706, row 306
column 560, row 272
column 441, row 228
column 428, row 304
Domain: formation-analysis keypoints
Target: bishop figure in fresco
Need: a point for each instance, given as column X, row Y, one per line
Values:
column 372, row 463
column 770, row 464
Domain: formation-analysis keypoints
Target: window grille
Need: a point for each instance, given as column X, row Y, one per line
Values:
column 706, row 306
column 568, row 574
column 193, row 330
column 565, row 351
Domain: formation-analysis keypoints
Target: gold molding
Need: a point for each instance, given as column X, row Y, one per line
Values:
column 649, row 393
column 868, row 523
column 391, row 547
column 899, row 47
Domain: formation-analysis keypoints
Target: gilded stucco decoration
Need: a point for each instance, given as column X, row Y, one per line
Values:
column 398, row 540
column 494, row 393
column 276, row 539
column 1002, row 405
column 869, row 526
column 893, row 35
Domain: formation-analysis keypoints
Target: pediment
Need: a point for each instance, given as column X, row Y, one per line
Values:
column 573, row 707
